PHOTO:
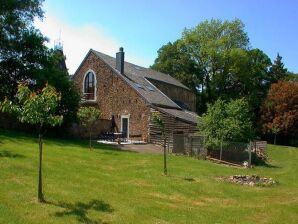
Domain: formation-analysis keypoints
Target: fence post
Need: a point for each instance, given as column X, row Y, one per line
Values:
column 190, row 139
column 249, row 154
column 220, row 150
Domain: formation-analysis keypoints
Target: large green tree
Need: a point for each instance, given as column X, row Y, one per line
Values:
column 22, row 49
column 215, row 60
column 173, row 59
column 24, row 57
column 209, row 45
column 36, row 108
column 200, row 58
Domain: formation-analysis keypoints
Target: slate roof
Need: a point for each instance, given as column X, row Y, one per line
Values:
column 180, row 114
column 139, row 78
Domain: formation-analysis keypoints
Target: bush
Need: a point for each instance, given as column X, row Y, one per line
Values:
column 226, row 121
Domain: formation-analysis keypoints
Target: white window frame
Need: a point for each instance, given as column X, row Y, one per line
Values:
column 95, row 85
column 128, row 118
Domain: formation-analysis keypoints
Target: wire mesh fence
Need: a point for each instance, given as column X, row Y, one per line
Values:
column 241, row 153
column 234, row 152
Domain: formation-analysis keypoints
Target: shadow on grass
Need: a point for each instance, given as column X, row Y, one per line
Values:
column 111, row 148
column 9, row 154
column 268, row 165
column 80, row 210
column 82, row 144
column 188, row 179
column 16, row 137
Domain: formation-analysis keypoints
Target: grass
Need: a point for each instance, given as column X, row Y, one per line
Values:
column 111, row 186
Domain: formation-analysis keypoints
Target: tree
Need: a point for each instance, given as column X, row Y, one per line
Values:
column 87, row 117
column 226, row 121
column 24, row 57
column 22, row 49
column 279, row 111
column 158, row 120
column 36, row 108
column 215, row 60
column 277, row 70
column 173, row 59
column 291, row 76
column 55, row 76
column 201, row 57
column 247, row 77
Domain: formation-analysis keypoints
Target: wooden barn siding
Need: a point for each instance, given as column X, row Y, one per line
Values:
column 172, row 126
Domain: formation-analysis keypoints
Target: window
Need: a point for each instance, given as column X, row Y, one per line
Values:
column 89, row 86
column 151, row 88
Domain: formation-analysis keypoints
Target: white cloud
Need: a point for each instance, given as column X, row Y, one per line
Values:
column 78, row 40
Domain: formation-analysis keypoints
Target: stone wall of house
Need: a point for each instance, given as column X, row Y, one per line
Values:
column 100, row 126
column 114, row 96
column 177, row 93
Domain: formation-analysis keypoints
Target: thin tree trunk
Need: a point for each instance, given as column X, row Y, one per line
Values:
column 40, row 194
column 90, row 146
column 274, row 139
column 165, row 156
column 220, row 153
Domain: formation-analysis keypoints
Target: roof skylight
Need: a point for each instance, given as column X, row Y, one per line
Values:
column 139, row 85
column 138, row 68
column 150, row 88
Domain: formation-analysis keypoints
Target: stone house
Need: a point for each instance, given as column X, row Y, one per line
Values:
column 130, row 93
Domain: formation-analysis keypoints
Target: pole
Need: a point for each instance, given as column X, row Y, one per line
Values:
column 274, row 139
column 220, row 150
column 249, row 154
column 40, row 195
column 165, row 156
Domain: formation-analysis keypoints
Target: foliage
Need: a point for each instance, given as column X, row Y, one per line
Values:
column 279, row 111
column 174, row 60
column 291, row 76
column 87, row 117
column 277, row 70
column 209, row 45
column 157, row 119
column 55, row 76
column 214, row 59
column 22, row 51
column 37, row 108
column 226, row 121
column 24, row 57
column 75, row 178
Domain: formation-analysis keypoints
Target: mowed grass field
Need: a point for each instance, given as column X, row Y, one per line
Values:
column 111, row 186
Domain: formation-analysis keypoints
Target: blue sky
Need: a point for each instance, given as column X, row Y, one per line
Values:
column 142, row 27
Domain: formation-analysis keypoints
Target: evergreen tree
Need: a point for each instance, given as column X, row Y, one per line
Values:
column 277, row 70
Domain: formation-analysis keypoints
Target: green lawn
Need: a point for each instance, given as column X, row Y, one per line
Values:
column 111, row 186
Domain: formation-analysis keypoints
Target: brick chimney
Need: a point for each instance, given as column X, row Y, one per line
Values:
column 120, row 60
